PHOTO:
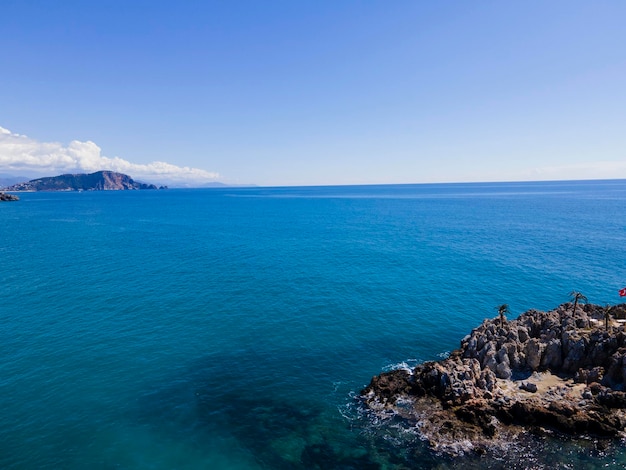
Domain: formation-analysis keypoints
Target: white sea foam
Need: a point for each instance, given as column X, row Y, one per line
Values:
column 407, row 365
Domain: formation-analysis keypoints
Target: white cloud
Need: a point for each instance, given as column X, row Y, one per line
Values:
column 21, row 153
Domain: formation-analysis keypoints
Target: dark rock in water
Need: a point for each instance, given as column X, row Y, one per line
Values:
column 574, row 375
column 98, row 181
column 8, row 197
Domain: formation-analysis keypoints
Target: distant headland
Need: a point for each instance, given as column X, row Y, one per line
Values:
column 98, row 181
column 562, row 371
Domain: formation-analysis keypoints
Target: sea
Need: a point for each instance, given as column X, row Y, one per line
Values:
column 233, row 328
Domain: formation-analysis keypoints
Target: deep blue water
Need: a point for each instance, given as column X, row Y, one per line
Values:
column 231, row 328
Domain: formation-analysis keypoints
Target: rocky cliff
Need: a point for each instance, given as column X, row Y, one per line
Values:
column 563, row 371
column 98, row 181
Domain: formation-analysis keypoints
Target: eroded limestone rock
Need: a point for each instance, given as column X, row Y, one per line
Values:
column 572, row 369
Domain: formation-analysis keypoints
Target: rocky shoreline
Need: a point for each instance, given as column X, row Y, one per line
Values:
column 562, row 371
column 8, row 197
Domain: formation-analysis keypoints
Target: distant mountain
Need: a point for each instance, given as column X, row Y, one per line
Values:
column 8, row 180
column 98, row 181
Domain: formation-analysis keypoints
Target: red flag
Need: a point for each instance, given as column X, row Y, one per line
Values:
column 622, row 292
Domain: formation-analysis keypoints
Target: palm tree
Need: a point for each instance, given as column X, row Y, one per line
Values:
column 502, row 309
column 577, row 297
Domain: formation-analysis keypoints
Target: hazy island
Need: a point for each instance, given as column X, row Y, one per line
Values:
column 560, row 372
column 98, row 181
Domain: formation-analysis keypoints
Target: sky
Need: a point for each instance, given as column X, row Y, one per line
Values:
column 314, row 92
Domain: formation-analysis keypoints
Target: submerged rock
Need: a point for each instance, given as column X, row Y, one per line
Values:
column 559, row 370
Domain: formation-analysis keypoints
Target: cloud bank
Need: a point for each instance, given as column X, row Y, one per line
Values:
column 23, row 154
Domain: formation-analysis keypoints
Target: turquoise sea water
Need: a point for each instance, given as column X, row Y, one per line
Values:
column 232, row 328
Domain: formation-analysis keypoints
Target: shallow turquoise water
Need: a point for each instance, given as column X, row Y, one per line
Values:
column 231, row 328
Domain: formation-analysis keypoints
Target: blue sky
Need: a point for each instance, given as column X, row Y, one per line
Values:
column 315, row 92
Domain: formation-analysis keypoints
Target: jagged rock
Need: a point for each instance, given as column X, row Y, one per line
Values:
column 612, row 398
column 595, row 388
column 477, row 393
column 391, row 385
column 522, row 334
column 553, row 358
column 533, row 350
column 529, row 387
column 8, row 197
column 589, row 376
column 503, row 371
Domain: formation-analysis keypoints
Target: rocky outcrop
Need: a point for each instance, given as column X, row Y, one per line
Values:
column 98, row 181
column 561, row 370
column 8, row 197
